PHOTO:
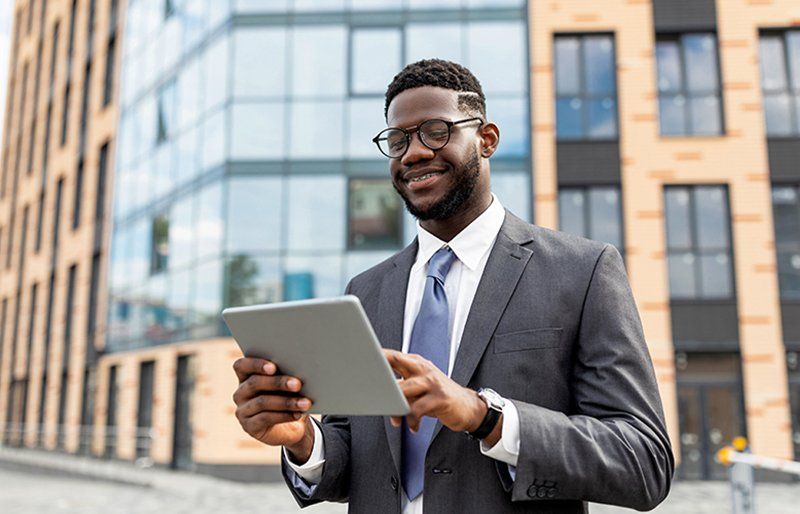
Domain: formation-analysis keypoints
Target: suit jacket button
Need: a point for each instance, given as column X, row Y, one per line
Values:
column 532, row 490
column 542, row 492
column 394, row 483
column 551, row 493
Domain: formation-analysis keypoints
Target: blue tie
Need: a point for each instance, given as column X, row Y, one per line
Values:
column 430, row 338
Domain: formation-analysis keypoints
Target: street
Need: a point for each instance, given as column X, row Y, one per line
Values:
column 29, row 490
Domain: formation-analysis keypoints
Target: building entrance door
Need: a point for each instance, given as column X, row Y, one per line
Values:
column 182, row 428
column 711, row 414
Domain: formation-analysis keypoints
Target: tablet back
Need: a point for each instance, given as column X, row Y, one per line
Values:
column 330, row 345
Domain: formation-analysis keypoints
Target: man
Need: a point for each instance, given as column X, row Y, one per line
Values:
column 520, row 348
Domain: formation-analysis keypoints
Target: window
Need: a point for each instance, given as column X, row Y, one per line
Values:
column 144, row 416
column 786, row 209
column 254, row 216
column 257, row 73
column 159, row 244
column 780, row 81
column 87, row 83
column 65, row 115
column 100, row 197
column 593, row 212
column 57, row 217
column 39, row 222
column 374, row 216
column 319, row 59
column 586, row 88
column 111, row 413
column 108, row 83
column 169, row 8
column 3, row 320
column 166, row 113
column 91, row 317
column 375, row 56
column 698, row 242
column 689, row 94
column 78, row 195
column 68, row 315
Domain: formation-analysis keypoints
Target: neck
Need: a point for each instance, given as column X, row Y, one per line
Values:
column 447, row 229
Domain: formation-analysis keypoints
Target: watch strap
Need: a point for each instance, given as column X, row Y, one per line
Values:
column 488, row 424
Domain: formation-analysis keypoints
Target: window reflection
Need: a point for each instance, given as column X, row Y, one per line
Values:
column 209, row 221
column 698, row 242
column 373, row 215
column 511, row 116
column 252, row 280
column 316, row 213
column 374, row 59
column 594, row 212
column 364, row 121
column 447, row 44
column 499, row 72
column 688, row 83
column 786, row 213
column 254, row 132
column 313, row 276
column 586, row 89
column 254, row 218
column 257, row 72
column 513, row 191
column 319, row 61
column 317, row 130
column 779, row 53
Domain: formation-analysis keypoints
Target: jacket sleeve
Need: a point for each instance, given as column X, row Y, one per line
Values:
column 613, row 448
column 334, row 484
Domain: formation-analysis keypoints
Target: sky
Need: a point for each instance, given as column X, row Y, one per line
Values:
column 5, row 47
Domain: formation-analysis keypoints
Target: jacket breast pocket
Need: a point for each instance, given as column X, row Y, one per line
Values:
column 533, row 339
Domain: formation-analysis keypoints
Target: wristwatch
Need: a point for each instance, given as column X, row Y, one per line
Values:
column 495, row 403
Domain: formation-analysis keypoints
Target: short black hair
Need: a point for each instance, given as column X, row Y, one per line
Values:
column 440, row 73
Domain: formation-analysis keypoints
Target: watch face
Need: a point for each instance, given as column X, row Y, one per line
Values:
column 494, row 400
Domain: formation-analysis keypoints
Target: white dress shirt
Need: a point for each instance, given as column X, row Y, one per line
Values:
column 472, row 247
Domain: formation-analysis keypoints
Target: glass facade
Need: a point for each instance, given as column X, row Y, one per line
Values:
column 245, row 167
column 786, row 216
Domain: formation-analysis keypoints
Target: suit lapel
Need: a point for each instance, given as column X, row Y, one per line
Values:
column 391, row 313
column 504, row 267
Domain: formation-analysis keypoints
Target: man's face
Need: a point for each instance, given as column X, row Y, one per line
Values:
column 454, row 171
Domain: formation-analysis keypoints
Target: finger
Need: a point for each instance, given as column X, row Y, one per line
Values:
column 396, row 421
column 273, row 403
column 420, row 408
column 404, row 364
column 246, row 366
column 414, row 387
column 257, row 384
column 258, row 424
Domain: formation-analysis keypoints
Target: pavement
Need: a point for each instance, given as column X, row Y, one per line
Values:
column 35, row 481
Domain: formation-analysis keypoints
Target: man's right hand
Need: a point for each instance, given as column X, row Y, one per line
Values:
column 271, row 409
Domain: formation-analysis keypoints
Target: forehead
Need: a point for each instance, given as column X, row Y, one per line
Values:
column 418, row 104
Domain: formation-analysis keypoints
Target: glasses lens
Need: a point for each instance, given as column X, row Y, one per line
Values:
column 435, row 133
column 392, row 142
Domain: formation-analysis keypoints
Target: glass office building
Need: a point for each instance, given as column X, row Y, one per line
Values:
column 245, row 171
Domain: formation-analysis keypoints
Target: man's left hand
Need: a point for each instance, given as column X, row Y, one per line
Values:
column 430, row 392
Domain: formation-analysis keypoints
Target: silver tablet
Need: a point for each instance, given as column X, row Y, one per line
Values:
column 330, row 345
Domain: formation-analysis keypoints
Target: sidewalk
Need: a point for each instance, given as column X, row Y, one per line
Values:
column 33, row 481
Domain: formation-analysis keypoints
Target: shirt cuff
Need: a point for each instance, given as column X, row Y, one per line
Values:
column 311, row 471
column 507, row 448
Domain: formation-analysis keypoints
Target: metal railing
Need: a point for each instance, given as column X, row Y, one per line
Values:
column 34, row 436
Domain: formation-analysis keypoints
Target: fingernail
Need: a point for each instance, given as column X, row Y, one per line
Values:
column 269, row 369
column 293, row 384
column 297, row 415
column 303, row 404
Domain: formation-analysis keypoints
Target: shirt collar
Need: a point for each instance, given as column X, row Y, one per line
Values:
column 470, row 244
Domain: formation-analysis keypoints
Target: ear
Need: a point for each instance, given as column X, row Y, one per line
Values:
column 489, row 135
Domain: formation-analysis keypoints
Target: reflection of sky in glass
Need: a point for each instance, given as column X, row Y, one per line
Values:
column 499, row 72
column 315, row 215
column 599, row 65
column 254, row 218
column 253, row 131
column 773, row 63
column 677, row 217
column 325, row 269
column 375, row 59
column 793, row 47
column 566, row 62
column 605, row 216
column 711, row 217
column 705, row 112
column 319, row 60
column 446, row 45
column 669, row 66
column 365, row 121
column 511, row 116
column 317, row 130
column 513, row 191
column 701, row 62
column 602, row 118
column 257, row 72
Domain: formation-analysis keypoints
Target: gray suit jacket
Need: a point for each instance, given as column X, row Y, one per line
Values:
column 554, row 328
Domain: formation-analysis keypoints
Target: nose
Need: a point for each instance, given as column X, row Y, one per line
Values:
column 416, row 151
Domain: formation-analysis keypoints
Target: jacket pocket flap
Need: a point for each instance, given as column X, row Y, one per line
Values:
column 533, row 339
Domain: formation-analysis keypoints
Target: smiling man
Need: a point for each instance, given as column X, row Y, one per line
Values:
column 520, row 348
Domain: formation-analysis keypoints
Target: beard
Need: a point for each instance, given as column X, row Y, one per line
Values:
column 466, row 180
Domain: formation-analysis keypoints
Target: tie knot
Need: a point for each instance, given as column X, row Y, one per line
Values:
column 440, row 263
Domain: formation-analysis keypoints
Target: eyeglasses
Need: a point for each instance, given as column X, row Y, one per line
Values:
column 393, row 142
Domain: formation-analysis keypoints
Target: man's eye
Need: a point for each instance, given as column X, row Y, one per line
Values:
column 437, row 134
column 397, row 145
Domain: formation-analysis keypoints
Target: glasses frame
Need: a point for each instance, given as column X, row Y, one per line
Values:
column 409, row 132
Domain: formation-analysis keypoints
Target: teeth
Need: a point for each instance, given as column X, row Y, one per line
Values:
column 423, row 177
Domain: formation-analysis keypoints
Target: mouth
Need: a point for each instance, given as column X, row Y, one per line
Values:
column 422, row 178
